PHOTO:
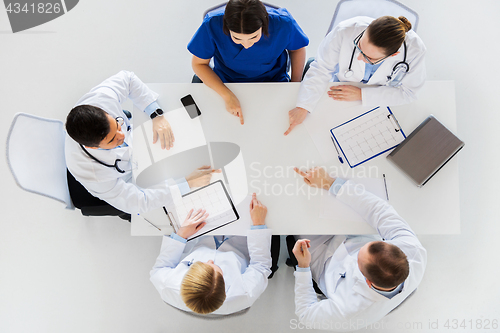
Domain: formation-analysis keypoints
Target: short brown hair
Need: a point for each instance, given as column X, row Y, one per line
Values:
column 388, row 266
column 388, row 33
column 245, row 17
column 203, row 289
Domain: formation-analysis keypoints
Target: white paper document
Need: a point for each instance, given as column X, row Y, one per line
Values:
column 188, row 134
column 367, row 136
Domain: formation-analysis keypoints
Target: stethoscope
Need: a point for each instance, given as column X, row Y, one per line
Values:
column 398, row 71
column 101, row 162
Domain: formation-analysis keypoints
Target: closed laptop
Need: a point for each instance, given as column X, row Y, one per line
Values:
column 425, row 151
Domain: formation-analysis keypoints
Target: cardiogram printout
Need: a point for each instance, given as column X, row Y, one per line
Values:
column 368, row 135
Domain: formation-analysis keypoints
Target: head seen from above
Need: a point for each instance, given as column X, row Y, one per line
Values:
column 383, row 38
column 245, row 21
column 383, row 264
column 94, row 128
column 203, row 288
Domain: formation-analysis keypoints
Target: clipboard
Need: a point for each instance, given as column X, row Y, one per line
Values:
column 212, row 197
column 368, row 135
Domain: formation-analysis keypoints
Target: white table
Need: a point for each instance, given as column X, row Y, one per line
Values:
column 270, row 156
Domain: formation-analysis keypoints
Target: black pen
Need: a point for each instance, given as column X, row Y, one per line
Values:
column 338, row 154
column 145, row 219
column 386, row 192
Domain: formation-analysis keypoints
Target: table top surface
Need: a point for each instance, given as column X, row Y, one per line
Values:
column 269, row 157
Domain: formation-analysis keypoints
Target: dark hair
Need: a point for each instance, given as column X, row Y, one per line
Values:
column 388, row 33
column 388, row 266
column 88, row 125
column 245, row 17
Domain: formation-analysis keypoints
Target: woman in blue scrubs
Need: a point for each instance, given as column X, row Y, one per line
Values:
column 249, row 43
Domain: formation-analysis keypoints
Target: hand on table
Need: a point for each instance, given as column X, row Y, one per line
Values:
column 345, row 93
column 193, row 223
column 258, row 211
column 163, row 131
column 296, row 116
column 316, row 177
column 201, row 176
column 301, row 252
column 233, row 107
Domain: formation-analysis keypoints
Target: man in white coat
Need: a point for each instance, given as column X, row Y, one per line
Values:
column 214, row 274
column 362, row 277
column 384, row 55
column 98, row 148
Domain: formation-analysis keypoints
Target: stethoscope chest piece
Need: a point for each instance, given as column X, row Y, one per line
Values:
column 348, row 73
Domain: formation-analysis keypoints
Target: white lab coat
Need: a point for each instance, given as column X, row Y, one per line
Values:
column 350, row 303
column 245, row 264
column 104, row 182
column 336, row 48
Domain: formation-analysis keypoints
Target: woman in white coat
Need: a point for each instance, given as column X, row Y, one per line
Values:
column 383, row 54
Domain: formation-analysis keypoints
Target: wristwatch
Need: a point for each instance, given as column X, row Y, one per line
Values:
column 157, row 113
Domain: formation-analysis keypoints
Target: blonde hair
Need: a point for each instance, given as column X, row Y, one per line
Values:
column 203, row 289
column 388, row 32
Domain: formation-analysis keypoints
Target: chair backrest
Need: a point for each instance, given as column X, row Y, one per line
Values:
column 35, row 155
column 347, row 9
column 224, row 4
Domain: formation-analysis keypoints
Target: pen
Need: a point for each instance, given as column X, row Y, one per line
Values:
column 386, row 192
column 150, row 223
column 338, row 154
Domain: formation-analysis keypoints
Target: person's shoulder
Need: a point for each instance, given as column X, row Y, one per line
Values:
column 414, row 41
column 281, row 15
column 214, row 16
column 357, row 21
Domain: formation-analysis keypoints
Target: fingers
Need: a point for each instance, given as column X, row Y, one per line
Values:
column 155, row 137
column 300, row 247
column 240, row 114
column 292, row 126
column 189, row 214
column 253, row 201
column 200, row 225
column 198, row 214
column 302, row 173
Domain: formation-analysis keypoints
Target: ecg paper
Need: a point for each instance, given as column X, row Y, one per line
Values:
column 368, row 135
column 213, row 199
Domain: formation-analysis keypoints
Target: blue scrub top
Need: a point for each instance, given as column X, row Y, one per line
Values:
column 265, row 61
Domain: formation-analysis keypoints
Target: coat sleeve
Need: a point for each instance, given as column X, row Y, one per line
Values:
column 390, row 226
column 129, row 197
column 170, row 254
column 312, row 312
column 321, row 71
column 255, row 276
column 127, row 85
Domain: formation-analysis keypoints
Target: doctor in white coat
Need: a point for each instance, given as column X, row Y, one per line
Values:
column 98, row 146
column 383, row 54
column 362, row 277
column 235, row 268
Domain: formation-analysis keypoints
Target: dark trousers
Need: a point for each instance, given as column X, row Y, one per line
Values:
column 88, row 204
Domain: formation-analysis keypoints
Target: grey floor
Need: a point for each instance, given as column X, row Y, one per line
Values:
column 62, row 272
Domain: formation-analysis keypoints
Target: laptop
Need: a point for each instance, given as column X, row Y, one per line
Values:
column 425, row 151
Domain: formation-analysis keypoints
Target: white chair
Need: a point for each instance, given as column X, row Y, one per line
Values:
column 35, row 155
column 347, row 9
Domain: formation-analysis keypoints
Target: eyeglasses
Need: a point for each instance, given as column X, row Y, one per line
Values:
column 120, row 121
column 356, row 41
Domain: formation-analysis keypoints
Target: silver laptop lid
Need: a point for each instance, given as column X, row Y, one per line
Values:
column 426, row 150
